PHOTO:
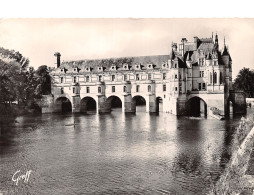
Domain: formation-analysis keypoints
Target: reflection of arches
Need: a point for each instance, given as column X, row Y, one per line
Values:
column 159, row 102
column 63, row 104
column 197, row 107
column 87, row 104
column 138, row 101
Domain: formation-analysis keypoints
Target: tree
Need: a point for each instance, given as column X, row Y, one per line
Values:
column 44, row 81
column 245, row 81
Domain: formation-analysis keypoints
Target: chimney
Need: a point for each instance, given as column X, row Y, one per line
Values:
column 58, row 61
column 184, row 40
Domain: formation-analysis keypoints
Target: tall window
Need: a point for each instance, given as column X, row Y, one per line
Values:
column 137, row 77
column 87, row 89
column 113, row 78
column 149, row 88
column 149, row 76
column 113, row 89
column 164, row 76
column 124, row 89
column 61, row 79
column 164, row 88
column 99, row 89
column 125, row 77
column 175, row 76
column 201, row 73
column 87, row 78
column 215, row 78
column 137, row 88
column 100, row 78
column 175, row 88
column 73, row 90
column 203, row 86
column 180, row 76
column 220, row 77
column 74, row 79
column 211, row 77
column 62, row 90
column 199, row 86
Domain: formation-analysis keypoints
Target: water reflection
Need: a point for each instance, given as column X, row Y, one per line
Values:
column 116, row 153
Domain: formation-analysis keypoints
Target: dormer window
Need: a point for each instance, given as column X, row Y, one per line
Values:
column 74, row 79
column 150, row 66
column 87, row 69
column 61, row 70
column 137, row 66
column 74, row 69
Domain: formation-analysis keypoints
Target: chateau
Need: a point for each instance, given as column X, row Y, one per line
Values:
column 193, row 79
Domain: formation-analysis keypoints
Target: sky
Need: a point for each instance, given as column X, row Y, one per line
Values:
column 77, row 39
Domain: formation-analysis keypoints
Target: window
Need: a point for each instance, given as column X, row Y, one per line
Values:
column 211, row 77
column 149, row 88
column 137, row 88
column 175, row 88
column 100, row 78
column 164, row 76
column 164, row 88
column 113, row 77
column 215, row 77
column 124, row 89
column 61, row 79
column 113, row 89
column 74, row 79
column 201, row 73
column 180, row 76
column 99, row 89
column 199, row 86
column 215, row 63
column 87, row 89
column 87, row 78
column 203, row 86
column 175, row 76
column 137, row 77
column 220, row 77
column 149, row 76
column 73, row 90
column 62, row 90
column 125, row 77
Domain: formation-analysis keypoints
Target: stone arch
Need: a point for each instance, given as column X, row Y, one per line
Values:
column 238, row 99
column 62, row 104
column 196, row 107
column 158, row 101
column 138, row 100
column 113, row 101
column 88, row 103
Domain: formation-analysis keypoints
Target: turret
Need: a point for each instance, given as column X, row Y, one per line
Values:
column 225, row 56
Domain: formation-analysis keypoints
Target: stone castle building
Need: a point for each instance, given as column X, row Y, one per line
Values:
column 195, row 77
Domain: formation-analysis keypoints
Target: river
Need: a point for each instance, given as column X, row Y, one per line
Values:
column 115, row 153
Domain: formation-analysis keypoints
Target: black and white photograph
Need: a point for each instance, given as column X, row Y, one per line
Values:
column 126, row 106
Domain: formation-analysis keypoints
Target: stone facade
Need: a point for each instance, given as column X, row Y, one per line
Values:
column 195, row 75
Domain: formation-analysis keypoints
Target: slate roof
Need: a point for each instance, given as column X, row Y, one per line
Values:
column 157, row 60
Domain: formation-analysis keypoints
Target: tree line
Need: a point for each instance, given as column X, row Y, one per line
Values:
column 245, row 82
column 21, row 83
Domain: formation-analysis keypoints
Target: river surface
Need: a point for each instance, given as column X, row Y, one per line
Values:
column 115, row 153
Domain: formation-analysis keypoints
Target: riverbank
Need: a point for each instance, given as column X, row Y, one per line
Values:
column 234, row 180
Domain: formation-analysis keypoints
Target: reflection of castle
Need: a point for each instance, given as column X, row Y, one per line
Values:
column 193, row 78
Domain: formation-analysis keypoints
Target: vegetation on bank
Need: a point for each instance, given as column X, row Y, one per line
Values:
column 21, row 86
column 232, row 180
column 245, row 81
